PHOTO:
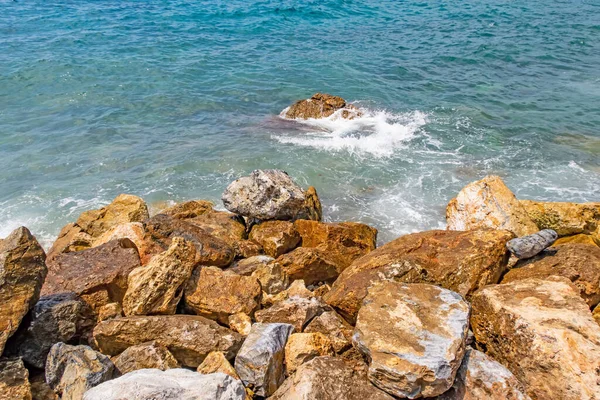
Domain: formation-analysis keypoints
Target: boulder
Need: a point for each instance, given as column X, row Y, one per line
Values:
column 275, row 237
column 217, row 294
column 157, row 287
column 14, row 380
column 226, row 226
column 272, row 278
column 459, row 261
column 188, row 209
column 531, row 245
column 296, row 289
column 321, row 105
column 303, row 347
column 216, row 362
column 309, row 264
column 329, row 378
column 71, row 370
column 172, row 384
column 145, row 355
column 210, row 250
column 488, row 203
column 98, row 275
column 343, row 242
column 133, row 231
column 240, row 323
column 580, row 263
column 312, row 205
column 297, row 311
column 247, row 248
column 583, row 238
column 550, row 340
column 414, row 336
column 22, row 273
column 260, row 361
column 188, row 337
column 248, row 265
column 335, row 328
column 264, row 195
column 110, row 311
column 565, row 218
column 480, row 377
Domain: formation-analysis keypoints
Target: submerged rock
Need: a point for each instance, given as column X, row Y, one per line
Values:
column 564, row 218
column 145, row 355
column 531, row 245
column 321, row 105
column 14, row 380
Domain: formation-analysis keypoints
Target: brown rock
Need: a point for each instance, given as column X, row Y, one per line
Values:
column 275, row 237
column 321, row 105
column 110, row 311
column 550, row 341
column 248, row 265
column 188, row 209
column 240, row 323
column 145, row 355
column 488, row 203
column 303, row 347
column 459, row 261
column 578, row 262
column 309, row 264
column 565, row 218
column 273, row 279
column 335, row 327
column 133, row 231
column 14, row 380
column 581, row 238
column 312, row 204
column 247, row 248
column 70, row 238
column 216, row 362
column 297, row 311
column 226, row 226
column 217, row 294
column 322, row 290
column 188, row 337
column 22, row 273
column 296, row 289
column 40, row 390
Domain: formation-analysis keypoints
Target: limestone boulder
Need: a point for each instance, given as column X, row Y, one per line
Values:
column 275, row 237
column 247, row 248
column 188, row 209
column 414, row 336
column 14, row 380
column 188, row 337
column 335, row 328
column 579, row 263
column 260, row 361
column 303, row 347
column 488, row 203
column 216, row 362
column 247, row 266
column 272, row 277
column 133, row 231
column 550, row 340
column 296, row 311
column 22, row 273
column 309, row 264
column 145, row 355
column 459, row 261
column 172, row 384
column 565, row 218
column 217, row 294
column 321, row 105
column 240, row 323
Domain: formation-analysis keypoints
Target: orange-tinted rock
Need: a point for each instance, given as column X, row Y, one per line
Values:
column 303, row 347
column 272, row 278
column 565, row 218
column 335, row 328
column 145, row 355
column 14, row 380
column 312, row 204
column 240, row 323
column 275, row 237
column 309, row 264
column 133, row 231
column 214, row 362
column 248, row 265
column 581, row 238
column 321, row 105
column 188, row 209
column 226, row 226
column 296, row 311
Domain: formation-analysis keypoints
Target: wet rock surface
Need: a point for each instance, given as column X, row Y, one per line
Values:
column 321, row 105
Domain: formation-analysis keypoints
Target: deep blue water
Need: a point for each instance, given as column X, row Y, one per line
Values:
column 171, row 100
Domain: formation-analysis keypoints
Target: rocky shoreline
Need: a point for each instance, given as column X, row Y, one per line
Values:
column 267, row 301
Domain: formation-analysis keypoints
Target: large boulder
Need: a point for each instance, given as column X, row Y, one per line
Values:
column 303, row 347
column 488, row 203
column 565, row 218
column 188, row 337
column 297, row 311
column 321, row 105
column 459, row 261
column 578, row 262
column 549, row 339
column 133, row 231
column 72, row 370
column 172, row 384
column 264, row 195
column 309, row 264
column 226, row 226
column 335, row 328
column 157, row 287
column 22, row 273
column 260, row 361
column 14, row 380
column 145, row 355
column 98, row 275
column 414, row 336
column 275, row 237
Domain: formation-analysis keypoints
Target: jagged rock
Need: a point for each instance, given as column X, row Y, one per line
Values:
column 531, row 245
column 582, row 238
column 264, row 195
column 133, row 231
column 98, row 275
column 145, row 355
column 240, row 323
column 22, row 273
column 549, row 339
column 343, row 242
column 247, row 248
column 565, row 218
column 303, row 347
column 488, row 203
column 188, row 337
column 459, row 261
column 297, row 311
column 329, row 378
column 110, row 311
column 217, row 294
column 480, row 377
column 296, row 289
column 272, row 278
column 322, row 290
column 578, row 262
column 71, row 370
column 216, row 362
column 157, row 287
column 309, row 264
column 172, row 384
column 335, row 327
column 275, row 237
column 226, row 226
column 414, row 336
column 210, row 250
column 260, row 361
column 55, row 318
column 312, row 205
column 321, row 105
column 14, row 380
column 248, row 265
column 188, row 209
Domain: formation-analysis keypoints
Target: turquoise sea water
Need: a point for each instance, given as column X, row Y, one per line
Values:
column 171, row 100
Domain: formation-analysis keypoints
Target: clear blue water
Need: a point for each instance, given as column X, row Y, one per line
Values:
column 171, row 100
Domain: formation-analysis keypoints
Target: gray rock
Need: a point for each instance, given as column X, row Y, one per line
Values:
column 531, row 245
column 260, row 361
column 265, row 194
column 72, row 370
column 172, row 384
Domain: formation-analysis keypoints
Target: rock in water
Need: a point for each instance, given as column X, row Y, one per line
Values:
column 531, row 245
column 259, row 362
column 172, row 384
column 22, row 273
column 564, row 218
column 71, row 370
column 550, row 340
column 414, row 336
column 488, row 203
column 321, row 105
column 265, row 194
column 14, row 380
column 143, row 356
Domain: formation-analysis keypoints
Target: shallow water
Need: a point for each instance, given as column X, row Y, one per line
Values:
column 173, row 100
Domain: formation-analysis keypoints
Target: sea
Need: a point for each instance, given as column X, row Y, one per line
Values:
column 173, row 100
